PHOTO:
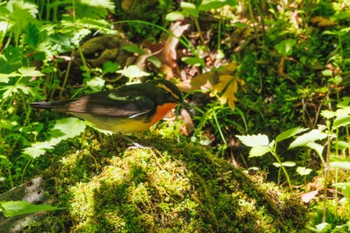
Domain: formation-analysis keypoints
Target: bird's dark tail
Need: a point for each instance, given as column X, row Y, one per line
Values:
column 49, row 105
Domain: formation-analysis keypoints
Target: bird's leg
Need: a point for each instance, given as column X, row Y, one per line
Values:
column 135, row 144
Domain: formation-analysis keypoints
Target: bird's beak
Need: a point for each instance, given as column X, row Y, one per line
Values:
column 185, row 105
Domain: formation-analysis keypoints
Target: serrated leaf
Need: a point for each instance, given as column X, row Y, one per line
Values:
column 29, row 72
column 303, row 171
column 327, row 114
column 289, row 133
column 309, row 137
column 258, row 151
column 254, row 140
column 38, row 148
column 174, row 16
column 340, row 163
column 70, row 127
column 14, row 208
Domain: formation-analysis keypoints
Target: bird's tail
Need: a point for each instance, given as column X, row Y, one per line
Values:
column 49, row 105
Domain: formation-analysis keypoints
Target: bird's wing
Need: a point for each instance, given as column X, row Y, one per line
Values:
column 119, row 103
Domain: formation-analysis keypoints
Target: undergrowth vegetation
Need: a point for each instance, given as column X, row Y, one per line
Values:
column 268, row 83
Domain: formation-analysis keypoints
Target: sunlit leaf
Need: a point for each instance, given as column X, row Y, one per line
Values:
column 289, row 164
column 340, row 162
column 327, row 114
column 133, row 71
column 289, row 133
column 190, row 9
column 70, row 127
column 345, row 188
column 258, row 151
column 308, row 137
column 29, row 72
column 303, row 171
column 341, row 121
column 133, row 49
column 38, row 148
column 342, row 145
column 285, row 47
column 317, row 147
column 174, row 16
column 14, row 208
column 212, row 4
column 254, row 140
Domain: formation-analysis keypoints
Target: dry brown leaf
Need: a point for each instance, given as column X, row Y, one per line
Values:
column 322, row 21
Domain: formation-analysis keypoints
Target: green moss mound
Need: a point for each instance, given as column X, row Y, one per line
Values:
column 177, row 187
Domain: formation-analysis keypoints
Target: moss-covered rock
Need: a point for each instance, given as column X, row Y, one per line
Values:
column 169, row 187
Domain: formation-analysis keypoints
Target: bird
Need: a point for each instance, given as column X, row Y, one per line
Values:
column 128, row 109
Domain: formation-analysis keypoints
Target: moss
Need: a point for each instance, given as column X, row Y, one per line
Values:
column 178, row 187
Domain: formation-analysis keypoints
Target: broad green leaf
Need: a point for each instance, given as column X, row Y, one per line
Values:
column 70, row 127
column 285, row 47
column 340, row 162
column 109, row 67
column 345, row 188
column 38, row 148
column 174, row 16
column 327, row 73
column 289, row 164
column 254, row 140
column 240, row 25
column 303, row 171
column 133, row 49
column 289, row 133
column 327, row 114
column 308, row 137
column 155, row 61
column 341, row 121
column 29, row 72
column 190, row 9
column 193, row 61
column 5, row 78
column 133, row 71
column 342, row 145
column 276, row 164
column 14, row 208
column 258, row 151
column 207, row 5
column 317, row 147
column 96, row 84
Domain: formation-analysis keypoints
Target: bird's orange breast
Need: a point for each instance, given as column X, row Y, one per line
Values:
column 161, row 111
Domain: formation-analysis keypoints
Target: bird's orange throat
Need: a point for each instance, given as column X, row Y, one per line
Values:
column 161, row 111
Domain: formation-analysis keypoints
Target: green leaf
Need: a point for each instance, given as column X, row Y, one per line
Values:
column 285, row 47
column 174, row 16
column 5, row 78
column 38, row 148
column 193, row 61
column 29, row 72
column 133, row 71
column 207, row 5
column 340, row 162
column 317, row 147
column 341, row 121
column 327, row 114
column 70, row 127
column 342, row 145
column 258, row 151
column 109, row 67
column 14, row 208
column 309, row 137
column 289, row 164
column 240, row 25
column 303, row 171
column 327, row 73
column 133, row 49
column 345, row 188
column 155, row 61
column 289, row 133
column 254, row 140
column 190, row 9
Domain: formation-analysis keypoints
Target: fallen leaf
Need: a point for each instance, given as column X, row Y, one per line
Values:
column 307, row 197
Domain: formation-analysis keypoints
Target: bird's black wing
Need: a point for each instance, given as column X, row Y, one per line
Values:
column 122, row 102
